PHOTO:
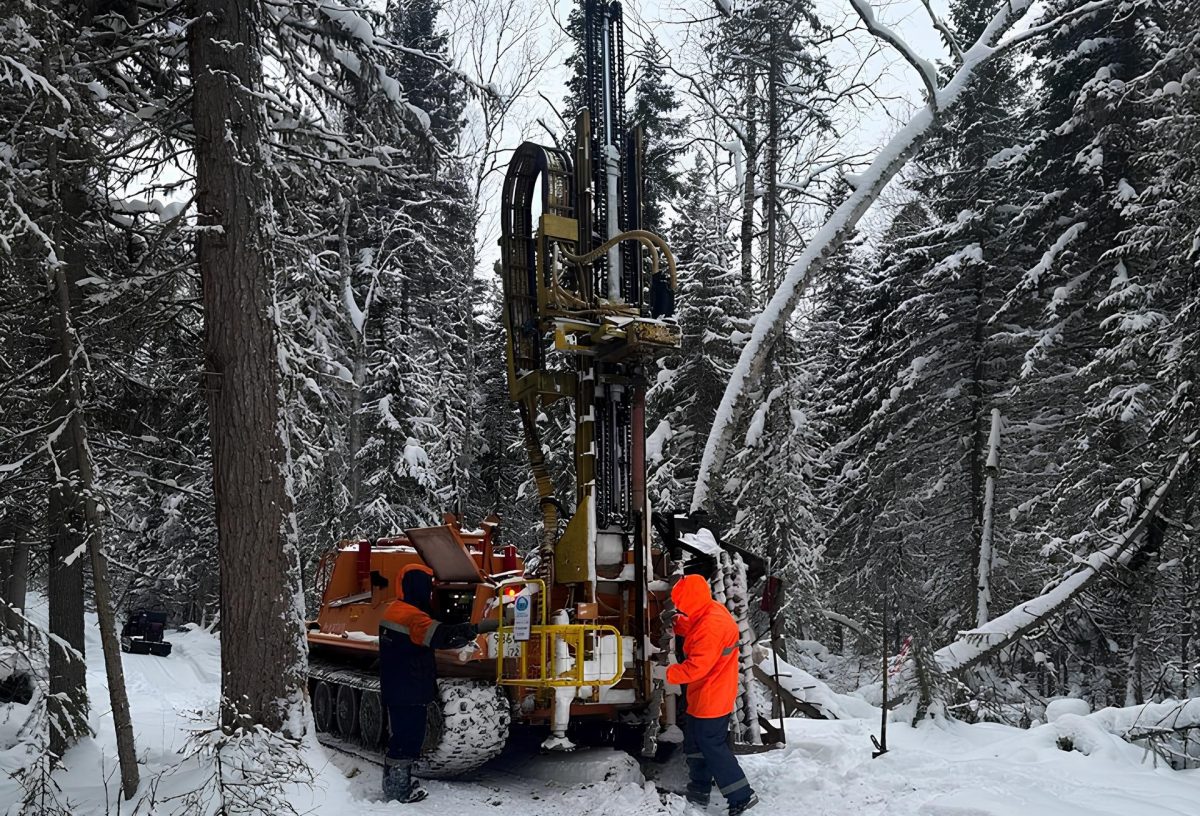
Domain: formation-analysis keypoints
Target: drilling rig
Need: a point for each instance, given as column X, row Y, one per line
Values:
column 588, row 299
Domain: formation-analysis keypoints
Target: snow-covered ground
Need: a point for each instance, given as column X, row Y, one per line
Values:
column 939, row 769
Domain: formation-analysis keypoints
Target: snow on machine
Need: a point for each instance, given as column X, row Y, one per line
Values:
column 588, row 307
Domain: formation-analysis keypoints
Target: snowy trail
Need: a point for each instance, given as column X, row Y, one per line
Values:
column 959, row 770
column 939, row 769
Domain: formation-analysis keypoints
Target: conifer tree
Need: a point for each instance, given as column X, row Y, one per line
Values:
column 656, row 111
column 1078, row 236
column 711, row 316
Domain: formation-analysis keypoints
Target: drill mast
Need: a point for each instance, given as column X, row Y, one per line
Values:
column 587, row 299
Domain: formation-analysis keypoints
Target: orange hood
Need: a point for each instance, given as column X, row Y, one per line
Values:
column 691, row 595
column 413, row 585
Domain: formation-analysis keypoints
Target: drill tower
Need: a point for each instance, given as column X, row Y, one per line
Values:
column 588, row 300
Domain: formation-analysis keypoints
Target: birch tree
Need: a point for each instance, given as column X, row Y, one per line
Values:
column 996, row 39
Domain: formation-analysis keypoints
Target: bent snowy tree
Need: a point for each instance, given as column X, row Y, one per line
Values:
column 995, row 41
column 978, row 644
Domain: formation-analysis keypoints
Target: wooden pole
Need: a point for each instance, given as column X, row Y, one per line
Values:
column 881, row 743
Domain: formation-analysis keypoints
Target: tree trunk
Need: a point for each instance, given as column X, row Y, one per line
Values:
column 983, row 598
column 14, row 573
column 68, row 702
column 358, row 359
column 118, row 696
column 749, row 180
column 977, row 459
column 76, row 524
column 262, row 648
column 771, row 203
column 90, row 533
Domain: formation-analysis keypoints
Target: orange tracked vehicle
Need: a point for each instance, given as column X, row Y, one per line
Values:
column 358, row 583
column 588, row 304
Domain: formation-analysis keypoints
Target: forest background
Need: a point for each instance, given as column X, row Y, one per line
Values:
column 976, row 399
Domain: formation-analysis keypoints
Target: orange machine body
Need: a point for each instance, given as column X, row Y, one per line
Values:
column 360, row 581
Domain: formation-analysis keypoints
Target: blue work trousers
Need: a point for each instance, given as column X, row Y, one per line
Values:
column 408, row 731
column 709, row 758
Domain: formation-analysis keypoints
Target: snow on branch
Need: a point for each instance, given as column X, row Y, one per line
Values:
column 30, row 79
column 947, row 35
column 977, row 644
column 1079, row 12
column 891, row 158
column 363, row 32
column 1150, row 719
column 1161, row 727
column 325, row 26
column 889, row 35
column 802, row 184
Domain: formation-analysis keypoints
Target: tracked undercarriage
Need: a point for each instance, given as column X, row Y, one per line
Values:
column 467, row 726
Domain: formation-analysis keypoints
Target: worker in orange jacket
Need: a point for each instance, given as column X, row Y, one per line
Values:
column 408, row 637
column 709, row 675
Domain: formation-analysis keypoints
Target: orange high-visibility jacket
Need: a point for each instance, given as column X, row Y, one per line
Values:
column 408, row 636
column 710, row 645
column 407, row 618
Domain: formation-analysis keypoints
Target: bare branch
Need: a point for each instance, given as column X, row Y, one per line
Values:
column 923, row 66
column 947, row 35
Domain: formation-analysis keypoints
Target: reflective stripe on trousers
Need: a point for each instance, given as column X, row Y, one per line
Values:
column 709, row 737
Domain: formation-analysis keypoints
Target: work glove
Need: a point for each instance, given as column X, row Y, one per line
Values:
column 488, row 625
column 659, row 674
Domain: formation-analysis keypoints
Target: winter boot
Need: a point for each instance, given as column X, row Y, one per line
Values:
column 398, row 782
column 697, row 795
column 742, row 807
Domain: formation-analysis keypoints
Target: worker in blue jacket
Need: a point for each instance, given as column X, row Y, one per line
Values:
column 408, row 637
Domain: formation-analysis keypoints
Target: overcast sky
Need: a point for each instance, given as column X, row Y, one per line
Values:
column 668, row 21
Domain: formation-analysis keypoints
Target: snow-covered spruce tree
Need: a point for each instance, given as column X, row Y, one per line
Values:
column 408, row 260
column 23, row 332
column 656, row 110
column 1159, row 323
column 867, row 543
column 86, row 190
column 776, row 486
column 711, row 314
column 574, row 100
column 1126, row 524
column 930, row 368
column 499, row 481
column 1088, row 282
column 53, row 231
column 811, row 397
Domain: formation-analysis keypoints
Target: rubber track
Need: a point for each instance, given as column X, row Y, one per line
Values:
column 468, row 729
column 472, row 729
column 349, row 748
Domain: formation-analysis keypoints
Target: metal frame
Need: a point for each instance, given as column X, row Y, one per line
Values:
column 574, row 635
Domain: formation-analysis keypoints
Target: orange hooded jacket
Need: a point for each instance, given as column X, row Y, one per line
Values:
column 710, row 645
column 407, row 616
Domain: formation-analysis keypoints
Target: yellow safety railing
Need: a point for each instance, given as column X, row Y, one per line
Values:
column 531, row 662
column 544, row 642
